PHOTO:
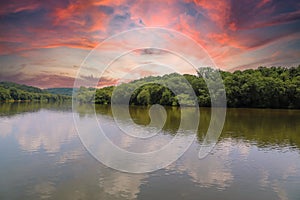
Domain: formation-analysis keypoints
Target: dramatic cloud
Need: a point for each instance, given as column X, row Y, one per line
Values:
column 236, row 33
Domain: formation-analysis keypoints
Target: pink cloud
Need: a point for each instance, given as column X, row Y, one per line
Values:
column 217, row 11
column 263, row 3
column 224, row 28
column 15, row 6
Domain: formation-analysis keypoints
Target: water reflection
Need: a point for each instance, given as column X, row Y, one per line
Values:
column 210, row 171
column 264, row 127
column 11, row 109
column 44, row 189
column 45, row 130
column 122, row 185
column 42, row 157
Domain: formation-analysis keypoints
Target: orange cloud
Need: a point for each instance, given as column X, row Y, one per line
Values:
column 217, row 11
column 224, row 28
column 225, row 39
column 84, row 16
column 166, row 13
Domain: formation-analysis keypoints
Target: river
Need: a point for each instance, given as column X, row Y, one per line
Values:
column 41, row 156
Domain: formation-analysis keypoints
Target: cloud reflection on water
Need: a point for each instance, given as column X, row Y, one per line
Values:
column 69, row 169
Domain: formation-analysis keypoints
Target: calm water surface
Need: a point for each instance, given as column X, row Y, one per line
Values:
column 41, row 156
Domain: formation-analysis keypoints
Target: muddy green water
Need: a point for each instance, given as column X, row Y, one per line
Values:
column 42, row 157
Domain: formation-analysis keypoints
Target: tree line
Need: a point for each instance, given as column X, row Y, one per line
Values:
column 274, row 87
column 16, row 92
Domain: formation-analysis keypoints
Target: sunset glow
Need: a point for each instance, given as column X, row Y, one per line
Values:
column 43, row 43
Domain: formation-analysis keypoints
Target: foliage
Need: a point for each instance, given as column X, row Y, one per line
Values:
column 275, row 87
column 8, row 85
column 16, row 92
column 61, row 91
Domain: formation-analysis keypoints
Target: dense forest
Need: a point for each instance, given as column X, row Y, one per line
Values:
column 16, row 92
column 275, row 87
column 61, row 91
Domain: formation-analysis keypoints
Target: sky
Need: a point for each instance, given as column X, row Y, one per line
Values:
column 44, row 43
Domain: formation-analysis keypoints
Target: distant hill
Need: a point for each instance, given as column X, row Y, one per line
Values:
column 61, row 91
column 26, row 88
column 17, row 92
